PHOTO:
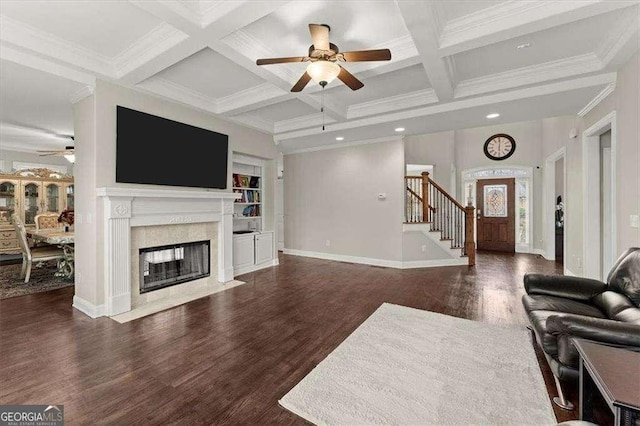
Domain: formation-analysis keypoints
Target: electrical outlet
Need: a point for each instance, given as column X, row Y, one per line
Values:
column 635, row 221
column 327, row 243
column 424, row 248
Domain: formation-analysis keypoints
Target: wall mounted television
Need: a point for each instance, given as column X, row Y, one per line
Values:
column 158, row 151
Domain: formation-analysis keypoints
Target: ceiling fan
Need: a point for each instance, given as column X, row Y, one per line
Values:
column 324, row 57
column 67, row 152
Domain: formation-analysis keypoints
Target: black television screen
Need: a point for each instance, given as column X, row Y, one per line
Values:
column 155, row 150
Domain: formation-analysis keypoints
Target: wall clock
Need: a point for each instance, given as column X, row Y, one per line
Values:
column 499, row 147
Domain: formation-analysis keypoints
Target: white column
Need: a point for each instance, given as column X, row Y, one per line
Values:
column 117, row 252
column 225, row 242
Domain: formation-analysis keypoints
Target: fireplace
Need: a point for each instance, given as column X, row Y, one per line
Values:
column 168, row 265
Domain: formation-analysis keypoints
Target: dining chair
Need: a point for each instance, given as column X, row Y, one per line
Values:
column 47, row 220
column 36, row 254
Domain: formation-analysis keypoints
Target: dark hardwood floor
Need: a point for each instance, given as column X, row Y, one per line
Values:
column 229, row 357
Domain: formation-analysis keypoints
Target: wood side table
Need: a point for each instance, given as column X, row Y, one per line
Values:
column 615, row 373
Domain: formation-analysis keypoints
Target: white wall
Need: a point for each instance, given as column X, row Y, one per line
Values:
column 95, row 131
column 10, row 157
column 333, row 195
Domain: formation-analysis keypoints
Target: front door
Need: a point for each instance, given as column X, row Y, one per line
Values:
column 495, row 201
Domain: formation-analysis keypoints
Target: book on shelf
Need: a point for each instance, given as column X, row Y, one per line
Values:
column 250, row 211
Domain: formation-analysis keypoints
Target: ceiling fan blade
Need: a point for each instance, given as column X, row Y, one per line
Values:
column 301, row 83
column 367, row 55
column 270, row 61
column 320, row 36
column 349, row 79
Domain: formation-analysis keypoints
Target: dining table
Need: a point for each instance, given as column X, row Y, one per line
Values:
column 61, row 238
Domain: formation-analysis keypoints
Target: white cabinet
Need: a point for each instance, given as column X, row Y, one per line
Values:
column 264, row 248
column 252, row 252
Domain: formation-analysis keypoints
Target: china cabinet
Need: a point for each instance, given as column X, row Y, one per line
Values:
column 27, row 193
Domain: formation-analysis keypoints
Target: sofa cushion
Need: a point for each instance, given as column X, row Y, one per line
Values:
column 538, row 302
column 617, row 307
column 624, row 278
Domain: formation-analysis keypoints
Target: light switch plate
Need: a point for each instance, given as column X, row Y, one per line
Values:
column 635, row 221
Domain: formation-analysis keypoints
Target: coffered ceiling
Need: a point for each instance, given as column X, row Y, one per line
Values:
column 452, row 61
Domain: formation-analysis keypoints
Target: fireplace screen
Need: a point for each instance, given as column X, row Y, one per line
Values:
column 174, row 264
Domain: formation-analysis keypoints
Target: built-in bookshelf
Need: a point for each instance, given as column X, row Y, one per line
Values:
column 247, row 180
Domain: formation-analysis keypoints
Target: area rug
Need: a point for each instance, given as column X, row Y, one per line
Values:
column 406, row 366
column 42, row 279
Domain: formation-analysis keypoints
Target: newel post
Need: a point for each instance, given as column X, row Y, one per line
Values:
column 425, row 197
column 469, row 243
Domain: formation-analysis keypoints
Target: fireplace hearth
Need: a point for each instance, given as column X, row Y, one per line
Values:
column 173, row 264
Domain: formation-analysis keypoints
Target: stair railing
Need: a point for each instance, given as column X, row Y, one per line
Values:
column 426, row 202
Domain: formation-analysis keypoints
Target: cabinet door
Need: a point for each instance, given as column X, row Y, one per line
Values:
column 9, row 190
column 70, row 191
column 264, row 248
column 52, row 197
column 243, row 255
column 32, row 201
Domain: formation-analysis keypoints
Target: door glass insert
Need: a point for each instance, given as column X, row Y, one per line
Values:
column 523, row 211
column 30, row 203
column 7, row 201
column 495, row 200
column 52, row 197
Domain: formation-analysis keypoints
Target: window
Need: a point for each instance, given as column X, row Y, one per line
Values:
column 522, row 211
column 495, row 201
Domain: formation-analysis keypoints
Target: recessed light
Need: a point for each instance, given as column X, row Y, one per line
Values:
column 339, row 138
column 399, row 129
column 493, row 115
column 523, row 46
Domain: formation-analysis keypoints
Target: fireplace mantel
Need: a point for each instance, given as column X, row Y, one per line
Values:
column 125, row 208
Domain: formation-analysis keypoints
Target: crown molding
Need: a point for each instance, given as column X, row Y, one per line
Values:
column 525, row 93
column 302, row 122
column 343, row 145
column 48, row 45
column 152, row 44
column 533, row 74
column 168, row 89
column 32, row 60
column 81, row 94
column 250, row 99
column 623, row 31
column 393, row 103
column 253, row 122
column 598, row 98
column 518, row 18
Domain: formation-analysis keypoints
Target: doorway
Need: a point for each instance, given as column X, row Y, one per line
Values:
column 496, row 214
column 599, row 200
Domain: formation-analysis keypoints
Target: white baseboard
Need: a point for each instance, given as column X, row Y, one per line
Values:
column 568, row 273
column 377, row 262
column 93, row 311
column 253, row 268
column 543, row 253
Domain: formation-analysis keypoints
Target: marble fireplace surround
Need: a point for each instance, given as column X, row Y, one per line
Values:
column 126, row 208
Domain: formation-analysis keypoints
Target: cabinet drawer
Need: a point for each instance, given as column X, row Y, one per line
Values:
column 8, row 235
column 8, row 244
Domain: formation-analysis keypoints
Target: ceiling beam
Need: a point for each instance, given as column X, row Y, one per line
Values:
column 512, row 19
column 422, row 22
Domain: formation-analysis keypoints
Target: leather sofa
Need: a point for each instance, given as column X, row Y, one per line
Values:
column 561, row 308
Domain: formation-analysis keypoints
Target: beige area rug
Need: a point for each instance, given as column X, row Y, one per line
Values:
column 164, row 304
column 42, row 279
column 406, row 366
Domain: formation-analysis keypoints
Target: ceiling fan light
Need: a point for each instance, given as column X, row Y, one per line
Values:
column 323, row 71
column 70, row 158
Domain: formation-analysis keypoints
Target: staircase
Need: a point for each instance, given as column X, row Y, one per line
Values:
column 441, row 215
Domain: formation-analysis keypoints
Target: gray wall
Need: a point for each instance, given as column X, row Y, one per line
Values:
column 9, row 157
column 95, row 131
column 333, row 195
column 625, row 101
column 435, row 149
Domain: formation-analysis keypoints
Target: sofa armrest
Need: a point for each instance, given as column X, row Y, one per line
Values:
column 576, row 288
column 595, row 329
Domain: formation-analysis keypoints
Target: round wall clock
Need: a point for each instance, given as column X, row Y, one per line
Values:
column 499, row 147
